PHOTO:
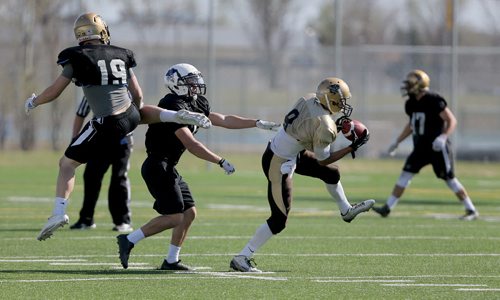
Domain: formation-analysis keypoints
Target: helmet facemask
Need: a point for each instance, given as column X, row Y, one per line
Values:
column 194, row 83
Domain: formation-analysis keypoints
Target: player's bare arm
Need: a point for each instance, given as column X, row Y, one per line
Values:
column 231, row 121
column 135, row 91
column 450, row 120
column 53, row 91
column 334, row 156
column 195, row 147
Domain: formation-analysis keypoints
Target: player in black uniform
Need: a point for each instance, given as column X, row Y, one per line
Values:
column 105, row 74
column 431, row 123
column 165, row 144
column 119, row 185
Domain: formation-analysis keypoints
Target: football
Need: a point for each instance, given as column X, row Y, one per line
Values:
column 353, row 126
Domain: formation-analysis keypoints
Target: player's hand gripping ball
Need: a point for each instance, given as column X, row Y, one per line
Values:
column 352, row 129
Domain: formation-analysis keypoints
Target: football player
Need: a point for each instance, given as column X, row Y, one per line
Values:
column 165, row 144
column 430, row 123
column 105, row 74
column 304, row 146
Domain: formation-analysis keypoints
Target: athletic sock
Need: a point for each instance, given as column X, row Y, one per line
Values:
column 135, row 236
column 261, row 236
column 337, row 192
column 468, row 204
column 168, row 115
column 392, row 201
column 173, row 254
column 60, row 205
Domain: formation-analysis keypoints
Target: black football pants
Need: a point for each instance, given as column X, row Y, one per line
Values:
column 119, row 186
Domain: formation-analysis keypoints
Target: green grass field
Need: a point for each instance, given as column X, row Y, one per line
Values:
column 422, row 251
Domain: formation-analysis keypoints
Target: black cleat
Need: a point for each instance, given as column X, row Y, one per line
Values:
column 384, row 211
column 82, row 225
column 124, row 248
column 176, row 266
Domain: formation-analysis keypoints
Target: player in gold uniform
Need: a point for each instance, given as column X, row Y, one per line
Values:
column 304, row 146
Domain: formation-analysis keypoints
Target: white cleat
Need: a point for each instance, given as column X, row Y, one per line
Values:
column 356, row 209
column 243, row 264
column 191, row 118
column 470, row 215
column 123, row 228
column 53, row 223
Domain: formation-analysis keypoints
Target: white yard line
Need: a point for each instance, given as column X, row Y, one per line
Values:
column 431, row 284
column 478, row 290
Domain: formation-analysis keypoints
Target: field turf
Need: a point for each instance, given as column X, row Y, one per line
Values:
column 421, row 251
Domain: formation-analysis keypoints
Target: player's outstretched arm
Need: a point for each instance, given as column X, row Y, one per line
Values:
column 48, row 95
column 238, row 122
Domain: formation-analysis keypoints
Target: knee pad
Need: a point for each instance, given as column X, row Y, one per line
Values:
column 404, row 179
column 454, row 185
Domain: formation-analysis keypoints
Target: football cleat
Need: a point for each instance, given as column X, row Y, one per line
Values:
column 384, row 211
column 242, row 263
column 176, row 266
column 470, row 215
column 356, row 209
column 124, row 227
column 82, row 226
column 184, row 116
column 124, row 248
column 53, row 223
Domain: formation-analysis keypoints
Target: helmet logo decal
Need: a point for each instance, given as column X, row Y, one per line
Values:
column 335, row 89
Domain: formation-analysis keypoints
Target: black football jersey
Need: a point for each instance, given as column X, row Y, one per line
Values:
column 161, row 140
column 98, row 64
column 425, row 122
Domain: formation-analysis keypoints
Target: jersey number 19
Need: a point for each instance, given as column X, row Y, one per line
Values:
column 118, row 72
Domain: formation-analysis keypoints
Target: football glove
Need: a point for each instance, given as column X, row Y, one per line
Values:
column 439, row 143
column 267, row 125
column 392, row 148
column 227, row 166
column 340, row 122
column 288, row 167
column 29, row 105
column 360, row 141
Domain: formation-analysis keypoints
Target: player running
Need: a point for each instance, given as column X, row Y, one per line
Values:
column 105, row 74
column 431, row 123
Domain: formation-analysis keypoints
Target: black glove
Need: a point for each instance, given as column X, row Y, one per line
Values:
column 340, row 121
column 358, row 142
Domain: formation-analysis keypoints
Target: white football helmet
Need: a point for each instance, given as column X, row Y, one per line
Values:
column 185, row 80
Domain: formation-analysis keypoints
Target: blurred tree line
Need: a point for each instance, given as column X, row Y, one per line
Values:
column 34, row 31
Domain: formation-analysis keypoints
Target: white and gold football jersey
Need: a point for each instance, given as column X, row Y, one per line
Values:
column 307, row 126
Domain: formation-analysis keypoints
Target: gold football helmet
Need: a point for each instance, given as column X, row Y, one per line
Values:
column 333, row 94
column 416, row 82
column 91, row 26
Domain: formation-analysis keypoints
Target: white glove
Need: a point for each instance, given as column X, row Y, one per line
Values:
column 227, row 166
column 288, row 167
column 29, row 105
column 392, row 148
column 439, row 142
column 267, row 125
